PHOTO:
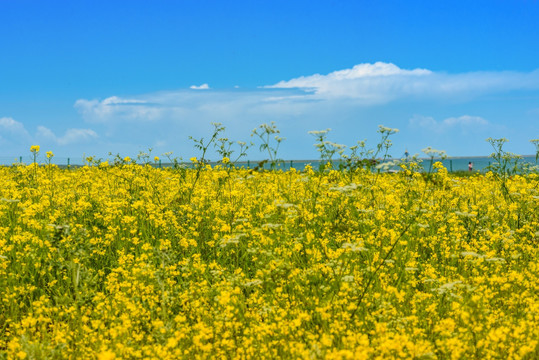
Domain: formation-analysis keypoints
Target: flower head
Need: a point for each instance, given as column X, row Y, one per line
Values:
column 34, row 148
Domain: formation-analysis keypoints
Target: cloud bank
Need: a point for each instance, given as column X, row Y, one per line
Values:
column 364, row 85
column 358, row 99
column 12, row 128
column 71, row 136
column 15, row 137
column 355, row 100
column 380, row 83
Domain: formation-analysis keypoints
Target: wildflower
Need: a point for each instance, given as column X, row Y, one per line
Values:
column 156, row 159
column 465, row 214
column 34, row 148
column 448, row 287
column 225, row 160
column 387, row 165
column 193, row 160
column 319, row 132
column 231, row 240
column 106, row 355
column 411, row 268
column 49, row 154
column 353, row 247
column 254, row 282
column 285, row 205
column 271, row 226
column 434, row 153
column 385, row 129
column 344, row 188
column 264, row 257
column 471, row 253
column 502, row 140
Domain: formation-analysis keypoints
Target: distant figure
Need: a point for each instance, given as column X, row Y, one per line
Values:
column 406, row 154
column 470, row 166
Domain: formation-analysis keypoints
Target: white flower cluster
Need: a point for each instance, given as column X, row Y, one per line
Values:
column 353, row 247
column 384, row 129
column 231, row 240
column 434, row 153
column 388, row 165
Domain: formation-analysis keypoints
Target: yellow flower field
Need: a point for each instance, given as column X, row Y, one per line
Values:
column 135, row 262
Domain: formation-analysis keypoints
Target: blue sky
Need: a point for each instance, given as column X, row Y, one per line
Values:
column 93, row 77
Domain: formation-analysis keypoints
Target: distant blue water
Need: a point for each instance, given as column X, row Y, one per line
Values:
column 479, row 163
column 452, row 164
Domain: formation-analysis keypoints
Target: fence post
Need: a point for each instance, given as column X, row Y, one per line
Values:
column 248, row 164
column 20, row 159
column 291, row 164
column 67, row 162
column 451, row 165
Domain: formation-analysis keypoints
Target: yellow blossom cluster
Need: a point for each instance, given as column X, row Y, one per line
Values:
column 137, row 262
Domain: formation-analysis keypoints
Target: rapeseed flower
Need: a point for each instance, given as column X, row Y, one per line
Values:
column 120, row 262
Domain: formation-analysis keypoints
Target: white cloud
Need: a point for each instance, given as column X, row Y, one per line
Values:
column 465, row 120
column 369, row 82
column 71, row 136
column 187, row 106
column 114, row 107
column 380, row 83
column 349, row 98
column 45, row 133
column 200, row 87
column 465, row 123
column 424, row 122
column 363, row 85
column 77, row 135
column 11, row 127
column 16, row 139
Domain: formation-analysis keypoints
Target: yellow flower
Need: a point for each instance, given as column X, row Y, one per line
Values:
column 106, row 355
column 127, row 159
column 193, row 159
column 238, row 245
column 34, row 148
column 49, row 154
column 156, row 159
